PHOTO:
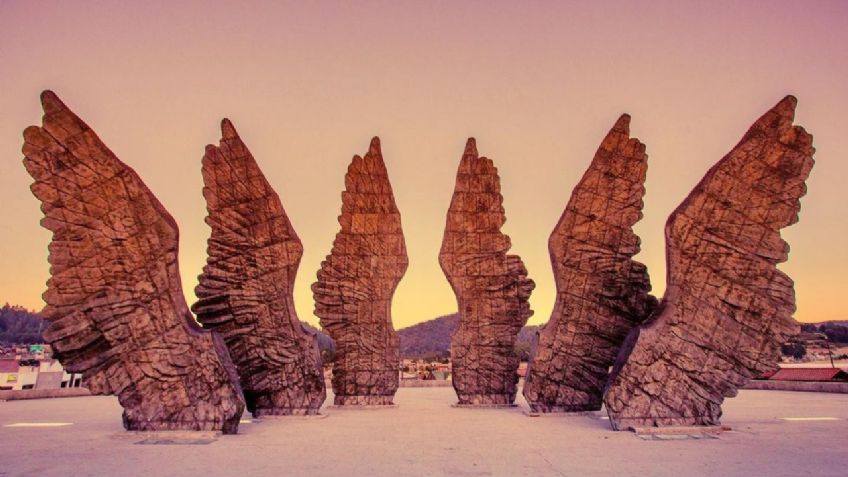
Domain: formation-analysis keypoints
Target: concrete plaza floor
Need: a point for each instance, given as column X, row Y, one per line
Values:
column 774, row 433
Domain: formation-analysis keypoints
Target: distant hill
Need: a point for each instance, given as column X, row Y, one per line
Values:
column 836, row 331
column 20, row 326
column 527, row 334
column 428, row 339
column 324, row 340
column 832, row 322
column 432, row 338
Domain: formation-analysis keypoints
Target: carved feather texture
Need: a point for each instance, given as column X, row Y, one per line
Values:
column 114, row 299
column 491, row 287
column 356, row 282
column 602, row 294
column 245, row 290
column 727, row 308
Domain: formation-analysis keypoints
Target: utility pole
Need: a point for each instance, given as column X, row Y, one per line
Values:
column 829, row 351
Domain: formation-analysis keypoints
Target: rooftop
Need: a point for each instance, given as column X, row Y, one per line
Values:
column 809, row 374
column 774, row 433
column 8, row 366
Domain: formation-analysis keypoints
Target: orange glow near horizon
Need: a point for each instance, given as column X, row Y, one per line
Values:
column 538, row 84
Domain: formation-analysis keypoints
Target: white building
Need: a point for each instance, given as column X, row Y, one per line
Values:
column 17, row 375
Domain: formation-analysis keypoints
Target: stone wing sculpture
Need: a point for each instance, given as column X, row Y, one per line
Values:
column 602, row 294
column 353, row 294
column 727, row 308
column 491, row 287
column 114, row 300
column 245, row 291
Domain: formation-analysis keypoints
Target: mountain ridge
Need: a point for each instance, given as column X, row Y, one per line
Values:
column 429, row 338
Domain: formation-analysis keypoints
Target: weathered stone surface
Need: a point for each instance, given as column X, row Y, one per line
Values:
column 491, row 287
column 727, row 308
column 353, row 294
column 114, row 300
column 245, row 291
column 601, row 293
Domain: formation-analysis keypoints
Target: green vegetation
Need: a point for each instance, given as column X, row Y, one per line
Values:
column 836, row 331
column 794, row 350
column 20, row 326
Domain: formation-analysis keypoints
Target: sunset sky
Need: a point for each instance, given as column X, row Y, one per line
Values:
column 307, row 84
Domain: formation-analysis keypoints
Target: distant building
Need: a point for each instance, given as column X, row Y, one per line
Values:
column 32, row 367
column 27, row 374
column 8, row 374
column 807, row 374
column 421, row 369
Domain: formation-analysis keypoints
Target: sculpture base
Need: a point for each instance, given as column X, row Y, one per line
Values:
column 553, row 409
column 169, row 437
column 285, row 412
column 619, row 423
column 364, row 400
column 679, row 432
column 292, row 417
column 485, row 400
column 484, row 406
column 592, row 414
column 229, row 426
column 363, row 407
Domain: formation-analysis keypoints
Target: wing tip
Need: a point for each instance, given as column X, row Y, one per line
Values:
column 789, row 102
column 471, row 148
column 778, row 120
column 50, row 102
column 228, row 131
column 785, row 110
column 622, row 124
column 374, row 148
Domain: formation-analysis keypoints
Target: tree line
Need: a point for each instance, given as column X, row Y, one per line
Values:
column 20, row 326
column 836, row 332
